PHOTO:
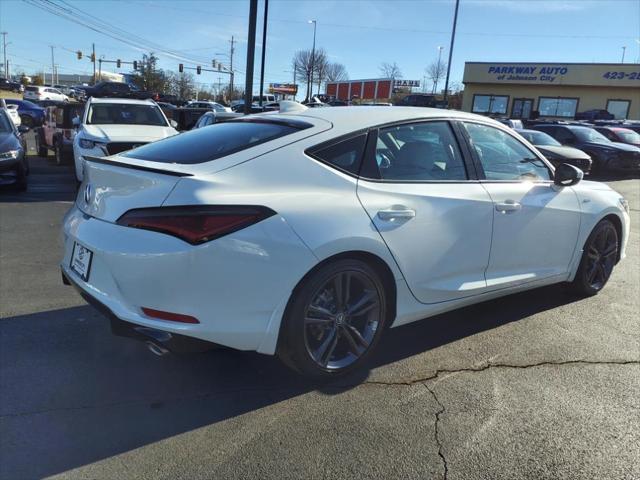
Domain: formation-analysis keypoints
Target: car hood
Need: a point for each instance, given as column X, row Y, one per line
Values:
column 562, row 151
column 8, row 141
column 613, row 146
column 128, row 133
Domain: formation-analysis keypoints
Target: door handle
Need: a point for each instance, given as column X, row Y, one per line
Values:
column 508, row 206
column 396, row 213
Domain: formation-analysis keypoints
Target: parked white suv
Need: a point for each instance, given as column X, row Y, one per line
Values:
column 113, row 125
column 33, row 92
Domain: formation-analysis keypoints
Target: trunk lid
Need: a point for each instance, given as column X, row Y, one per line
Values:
column 110, row 189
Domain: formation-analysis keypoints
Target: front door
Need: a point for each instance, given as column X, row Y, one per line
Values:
column 434, row 219
column 522, row 108
column 536, row 223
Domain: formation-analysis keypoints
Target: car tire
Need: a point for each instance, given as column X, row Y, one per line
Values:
column 27, row 121
column 334, row 320
column 43, row 151
column 58, row 153
column 21, row 178
column 599, row 256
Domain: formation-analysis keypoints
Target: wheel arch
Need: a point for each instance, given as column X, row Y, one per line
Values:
column 617, row 223
column 371, row 259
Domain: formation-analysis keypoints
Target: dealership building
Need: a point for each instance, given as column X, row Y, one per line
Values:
column 551, row 90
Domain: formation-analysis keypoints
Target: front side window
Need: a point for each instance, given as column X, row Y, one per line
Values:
column 345, row 155
column 503, row 157
column 206, row 144
column 6, row 124
column 557, row 107
column 419, row 152
column 125, row 114
column 618, row 108
column 488, row 104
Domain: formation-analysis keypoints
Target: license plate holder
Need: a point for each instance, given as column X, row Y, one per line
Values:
column 81, row 258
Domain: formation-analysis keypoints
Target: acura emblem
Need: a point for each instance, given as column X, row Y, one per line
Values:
column 87, row 194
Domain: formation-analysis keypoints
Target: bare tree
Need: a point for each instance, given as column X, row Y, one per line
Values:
column 305, row 62
column 436, row 71
column 336, row 72
column 182, row 85
column 320, row 68
column 390, row 70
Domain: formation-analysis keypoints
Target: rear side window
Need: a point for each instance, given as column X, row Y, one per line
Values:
column 345, row 155
column 31, row 89
column 221, row 139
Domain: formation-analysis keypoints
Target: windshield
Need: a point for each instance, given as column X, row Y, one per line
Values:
column 540, row 138
column 125, row 114
column 586, row 134
column 629, row 136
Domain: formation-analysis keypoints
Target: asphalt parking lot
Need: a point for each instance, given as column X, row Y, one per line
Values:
column 539, row 385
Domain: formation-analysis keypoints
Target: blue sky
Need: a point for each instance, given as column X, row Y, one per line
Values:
column 358, row 34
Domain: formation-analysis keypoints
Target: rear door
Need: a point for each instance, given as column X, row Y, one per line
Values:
column 536, row 223
column 422, row 197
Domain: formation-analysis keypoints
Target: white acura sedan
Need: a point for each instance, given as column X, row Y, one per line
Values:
column 306, row 233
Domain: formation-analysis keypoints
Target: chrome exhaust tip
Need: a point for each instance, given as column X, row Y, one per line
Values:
column 156, row 349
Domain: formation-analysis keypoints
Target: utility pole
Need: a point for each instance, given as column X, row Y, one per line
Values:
column 624, row 49
column 100, row 69
column 264, row 48
column 53, row 66
column 313, row 59
column 453, row 38
column 231, row 67
column 93, row 59
column 5, row 66
column 251, row 51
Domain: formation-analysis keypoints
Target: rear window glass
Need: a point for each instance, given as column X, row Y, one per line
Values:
column 212, row 142
column 345, row 155
column 32, row 89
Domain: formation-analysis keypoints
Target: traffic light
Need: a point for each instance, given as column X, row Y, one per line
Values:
column 135, row 64
column 180, row 67
column 213, row 64
column 118, row 63
column 93, row 57
column 79, row 53
column 198, row 69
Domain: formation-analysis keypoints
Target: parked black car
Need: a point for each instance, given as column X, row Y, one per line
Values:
column 117, row 90
column 555, row 152
column 11, row 86
column 418, row 100
column 607, row 156
column 13, row 151
column 591, row 115
column 620, row 134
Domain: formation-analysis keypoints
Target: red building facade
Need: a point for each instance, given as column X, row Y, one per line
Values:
column 369, row 89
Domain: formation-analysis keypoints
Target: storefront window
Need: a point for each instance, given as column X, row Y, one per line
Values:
column 557, row 107
column 618, row 108
column 490, row 104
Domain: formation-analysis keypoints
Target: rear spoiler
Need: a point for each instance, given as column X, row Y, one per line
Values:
column 134, row 166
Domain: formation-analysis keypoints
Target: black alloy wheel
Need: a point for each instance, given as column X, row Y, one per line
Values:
column 599, row 256
column 335, row 320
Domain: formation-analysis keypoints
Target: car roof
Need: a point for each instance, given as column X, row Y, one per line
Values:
column 356, row 117
column 128, row 101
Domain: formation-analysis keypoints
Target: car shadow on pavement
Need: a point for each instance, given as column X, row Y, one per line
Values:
column 71, row 394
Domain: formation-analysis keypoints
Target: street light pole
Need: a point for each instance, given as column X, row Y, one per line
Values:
column 453, row 38
column 251, row 50
column 313, row 59
column 264, row 47
column 623, row 52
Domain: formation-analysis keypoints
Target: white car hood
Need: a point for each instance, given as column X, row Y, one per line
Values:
column 127, row 133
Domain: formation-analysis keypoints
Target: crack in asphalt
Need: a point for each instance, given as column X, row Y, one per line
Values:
column 436, row 432
column 489, row 365
column 336, row 386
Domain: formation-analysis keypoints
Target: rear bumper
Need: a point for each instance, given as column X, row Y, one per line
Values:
column 171, row 341
column 236, row 286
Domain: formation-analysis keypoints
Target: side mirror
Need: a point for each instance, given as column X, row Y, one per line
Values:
column 567, row 175
column 173, row 123
column 22, row 129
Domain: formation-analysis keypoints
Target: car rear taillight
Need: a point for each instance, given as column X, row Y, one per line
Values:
column 195, row 224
